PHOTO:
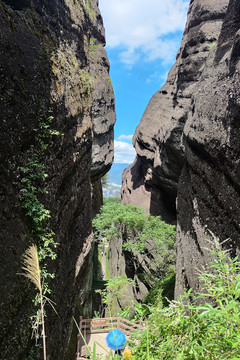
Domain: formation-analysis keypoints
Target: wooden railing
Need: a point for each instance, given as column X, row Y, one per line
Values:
column 104, row 325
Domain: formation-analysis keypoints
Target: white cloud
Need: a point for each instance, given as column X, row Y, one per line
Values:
column 157, row 76
column 138, row 27
column 115, row 185
column 153, row 77
column 125, row 137
column 124, row 153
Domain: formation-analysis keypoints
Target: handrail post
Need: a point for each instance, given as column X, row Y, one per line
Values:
column 80, row 323
column 79, row 339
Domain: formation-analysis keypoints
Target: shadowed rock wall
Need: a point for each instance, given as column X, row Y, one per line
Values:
column 52, row 63
column 134, row 266
column 187, row 142
column 209, row 186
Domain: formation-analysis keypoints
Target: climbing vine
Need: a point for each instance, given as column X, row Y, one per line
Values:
column 32, row 180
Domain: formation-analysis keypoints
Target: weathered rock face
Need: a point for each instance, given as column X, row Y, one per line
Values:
column 135, row 266
column 188, row 139
column 209, row 187
column 153, row 178
column 103, row 115
column 54, row 75
column 137, row 189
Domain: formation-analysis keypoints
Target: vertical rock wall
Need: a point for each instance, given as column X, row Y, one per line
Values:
column 209, row 186
column 52, row 66
column 152, row 180
column 187, row 142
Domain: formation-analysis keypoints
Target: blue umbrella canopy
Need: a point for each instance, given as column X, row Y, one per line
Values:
column 116, row 339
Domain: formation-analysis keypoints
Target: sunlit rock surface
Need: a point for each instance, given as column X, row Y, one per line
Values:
column 136, row 266
column 187, row 142
column 152, row 181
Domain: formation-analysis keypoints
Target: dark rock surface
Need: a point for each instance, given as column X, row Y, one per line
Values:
column 187, row 142
column 52, row 62
column 153, row 178
column 209, row 186
column 134, row 265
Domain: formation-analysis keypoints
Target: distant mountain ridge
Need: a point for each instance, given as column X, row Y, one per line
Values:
column 115, row 173
column 114, row 183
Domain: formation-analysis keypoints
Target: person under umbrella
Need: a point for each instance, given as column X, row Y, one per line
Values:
column 116, row 340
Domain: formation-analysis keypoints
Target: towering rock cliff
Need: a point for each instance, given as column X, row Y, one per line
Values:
column 209, row 186
column 152, row 180
column 57, row 116
column 187, row 142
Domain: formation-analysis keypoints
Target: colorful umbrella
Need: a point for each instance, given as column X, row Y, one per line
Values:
column 116, row 339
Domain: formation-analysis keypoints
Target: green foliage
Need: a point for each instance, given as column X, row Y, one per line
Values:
column 142, row 233
column 92, row 47
column 107, row 265
column 135, row 311
column 159, row 295
column 32, row 181
column 99, row 259
column 161, row 292
column 207, row 331
column 115, row 292
column 86, row 82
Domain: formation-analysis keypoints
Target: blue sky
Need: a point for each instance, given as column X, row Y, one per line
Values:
column 142, row 37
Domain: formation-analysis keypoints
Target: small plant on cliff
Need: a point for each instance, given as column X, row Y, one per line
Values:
column 32, row 271
column 32, row 182
column 188, row 331
column 86, row 82
column 89, row 9
column 92, row 47
column 33, row 176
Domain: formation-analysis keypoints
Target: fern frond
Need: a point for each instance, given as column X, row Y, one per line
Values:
column 31, row 266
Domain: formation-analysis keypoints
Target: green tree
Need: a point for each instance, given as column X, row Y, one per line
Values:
column 141, row 233
column 115, row 293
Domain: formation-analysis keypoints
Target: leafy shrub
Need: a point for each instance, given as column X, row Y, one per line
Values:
column 142, row 233
column 207, row 331
column 161, row 292
column 115, row 292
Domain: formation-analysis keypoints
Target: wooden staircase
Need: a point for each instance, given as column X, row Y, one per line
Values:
column 96, row 330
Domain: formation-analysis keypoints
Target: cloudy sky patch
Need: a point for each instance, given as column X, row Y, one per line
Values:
column 124, row 153
column 142, row 38
column 138, row 27
column 125, row 137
